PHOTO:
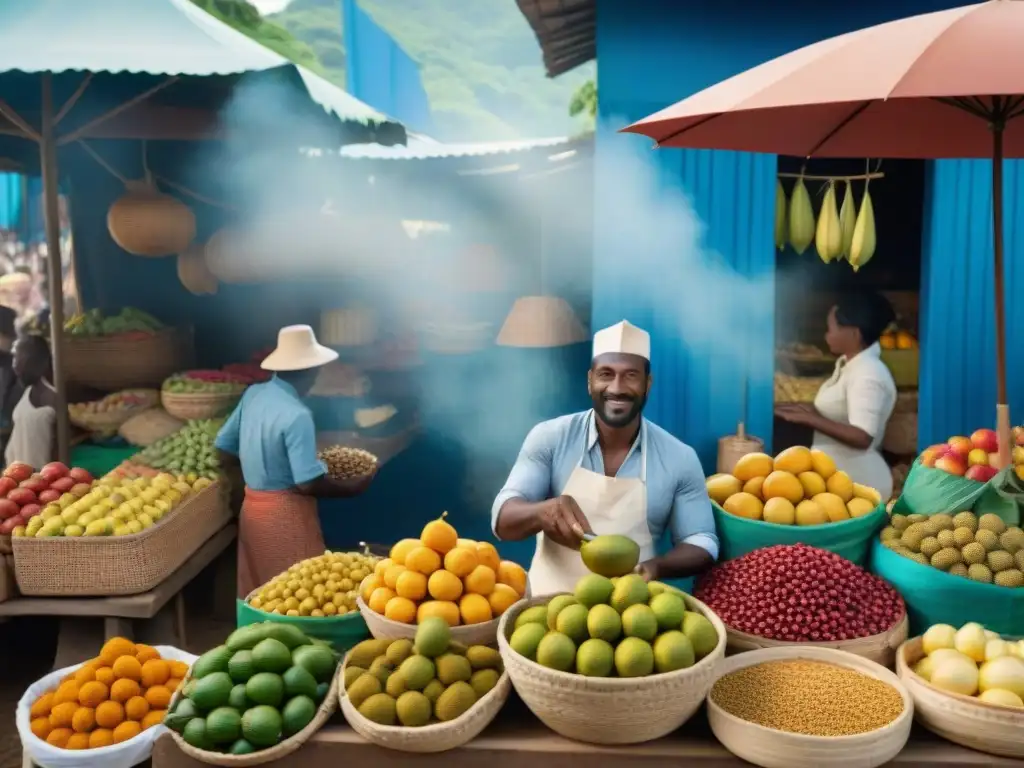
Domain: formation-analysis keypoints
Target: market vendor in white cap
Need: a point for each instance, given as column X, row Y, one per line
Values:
column 608, row 470
column 271, row 435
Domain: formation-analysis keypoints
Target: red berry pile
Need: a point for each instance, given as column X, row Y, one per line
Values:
column 794, row 593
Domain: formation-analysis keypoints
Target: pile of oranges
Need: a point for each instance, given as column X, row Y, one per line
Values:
column 108, row 700
column 459, row 580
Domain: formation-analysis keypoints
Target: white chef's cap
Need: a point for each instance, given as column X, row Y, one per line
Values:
column 623, row 338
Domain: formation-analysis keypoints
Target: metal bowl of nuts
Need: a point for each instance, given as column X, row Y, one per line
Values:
column 352, row 466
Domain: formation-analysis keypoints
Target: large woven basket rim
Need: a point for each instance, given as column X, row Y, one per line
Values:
column 829, row 656
column 500, row 690
column 199, row 397
column 92, row 541
column 115, row 340
column 616, row 684
column 293, row 743
column 906, row 673
column 902, row 624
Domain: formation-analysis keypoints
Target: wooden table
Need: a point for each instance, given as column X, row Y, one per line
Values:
column 516, row 739
column 86, row 622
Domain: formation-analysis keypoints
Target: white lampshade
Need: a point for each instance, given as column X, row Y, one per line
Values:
column 541, row 321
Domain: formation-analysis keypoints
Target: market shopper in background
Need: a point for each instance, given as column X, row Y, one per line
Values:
column 33, row 438
column 852, row 408
column 10, row 387
column 608, row 470
column 271, row 435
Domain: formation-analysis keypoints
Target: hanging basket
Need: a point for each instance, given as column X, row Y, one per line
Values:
column 146, row 222
column 193, row 272
column 112, row 363
column 230, row 259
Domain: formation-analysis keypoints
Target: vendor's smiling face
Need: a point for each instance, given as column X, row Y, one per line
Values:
column 618, row 385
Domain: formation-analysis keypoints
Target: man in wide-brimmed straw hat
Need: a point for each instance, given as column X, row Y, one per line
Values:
column 271, row 435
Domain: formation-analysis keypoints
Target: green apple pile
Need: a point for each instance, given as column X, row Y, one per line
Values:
column 190, row 450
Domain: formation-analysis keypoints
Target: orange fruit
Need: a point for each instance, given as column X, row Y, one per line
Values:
column 481, row 581
column 439, row 535
column 68, row 691
column 470, row 543
column 401, row 549
column 84, row 720
column 114, row 648
column 379, row 599
column 78, row 741
column 423, row 560
column 92, row 694
column 101, row 737
column 173, row 684
column 84, row 674
column 488, row 555
column 391, row 575
column 158, row 697
column 124, row 689
column 40, row 727
column 58, row 737
column 62, row 714
column 109, row 714
column 502, row 598
column 461, row 561
column 153, row 717
column 369, row 584
column 136, row 708
column 155, row 672
column 42, row 706
column 127, row 668
column 401, row 609
column 129, row 729
column 105, row 675
column 444, row 585
column 383, row 565
column 411, row 585
column 475, row 609
column 144, row 653
column 178, row 669
column 513, row 575
column 444, row 609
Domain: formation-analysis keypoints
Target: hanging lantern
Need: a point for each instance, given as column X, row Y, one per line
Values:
column 348, row 327
column 146, row 222
column 193, row 272
column 541, row 321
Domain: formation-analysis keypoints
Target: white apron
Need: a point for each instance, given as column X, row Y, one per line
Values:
column 611, row 505
column 866, row 467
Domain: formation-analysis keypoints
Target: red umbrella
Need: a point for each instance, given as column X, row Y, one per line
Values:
column 945, row 84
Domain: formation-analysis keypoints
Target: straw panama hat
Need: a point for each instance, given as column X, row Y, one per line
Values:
column 297, row 350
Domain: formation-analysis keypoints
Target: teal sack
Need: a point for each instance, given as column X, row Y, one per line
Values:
column 935, row 597
column 341, row 632
column 929, row 491
column 850, row 539
column 1002, row 496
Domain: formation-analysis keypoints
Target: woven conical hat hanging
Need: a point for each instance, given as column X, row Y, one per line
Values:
column 146, row 222
column 193, row 272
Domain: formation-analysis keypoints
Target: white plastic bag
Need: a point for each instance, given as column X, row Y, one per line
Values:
column 124, row 755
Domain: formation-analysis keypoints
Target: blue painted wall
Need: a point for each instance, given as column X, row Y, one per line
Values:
column 651, row 54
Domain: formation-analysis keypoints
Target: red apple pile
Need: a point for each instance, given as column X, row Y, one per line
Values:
column 974, row 457
column 24, row 493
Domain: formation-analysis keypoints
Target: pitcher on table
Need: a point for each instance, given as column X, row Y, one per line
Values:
column 608, row 470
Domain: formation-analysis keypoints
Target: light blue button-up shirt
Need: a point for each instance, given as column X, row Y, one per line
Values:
column 677, row 498
column 272, row 434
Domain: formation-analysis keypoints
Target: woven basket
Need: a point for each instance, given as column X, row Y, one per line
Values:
column 732, row 448
column 286, row 747
column 880, row 648
column 199, row 405
column 436, row 737
column 961, row 719
column 384, row 628
column 610, row 710
column 112, row 363
column 111, row 421
column 770, row 748
column 102, row 566
column 148, row 427
column 146, row 222
column 901, row 434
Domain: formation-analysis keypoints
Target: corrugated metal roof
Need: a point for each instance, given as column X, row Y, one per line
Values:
column 421, row 147
column 158, row 37
column 565, row 29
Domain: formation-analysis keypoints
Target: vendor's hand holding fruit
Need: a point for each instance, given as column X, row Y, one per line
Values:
column 563, row 521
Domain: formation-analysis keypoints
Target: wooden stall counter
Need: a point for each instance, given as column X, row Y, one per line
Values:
column 518, row 740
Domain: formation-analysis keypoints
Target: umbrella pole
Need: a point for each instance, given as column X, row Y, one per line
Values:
column 54, row 263
column 1002, row 405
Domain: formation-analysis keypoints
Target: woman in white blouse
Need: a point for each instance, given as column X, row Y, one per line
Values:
column 852, row 408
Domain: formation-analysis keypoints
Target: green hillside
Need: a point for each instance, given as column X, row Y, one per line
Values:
column 480, row 63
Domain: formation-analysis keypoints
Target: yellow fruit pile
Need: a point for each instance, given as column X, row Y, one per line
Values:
column 326, row 585
column 797, row 487
column 110, row 699
column 460, row 580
